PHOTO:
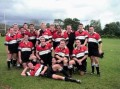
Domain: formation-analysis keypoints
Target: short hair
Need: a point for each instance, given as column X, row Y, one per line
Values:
column 91, row 26
column 78, row 40
column 81, row 24
column 31, row 25
column 21, row 27
column 42, row 37
column 63, row 40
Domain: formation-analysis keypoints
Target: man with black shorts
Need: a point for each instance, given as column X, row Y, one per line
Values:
column 94, row 48
column 50, row 72
column 26, row 51
column 44, row 52
column 79, row 57
column 11, row 47
column 61, row 55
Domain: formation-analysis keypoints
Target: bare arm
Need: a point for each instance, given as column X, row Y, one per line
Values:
column 85, row 43
column 19, row 56
column 24, row 71
column 45, row 69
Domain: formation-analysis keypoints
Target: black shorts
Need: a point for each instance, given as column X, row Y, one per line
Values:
column 25, row 57
column 81, row 67
column 49, row 72
column 93, row 52
column 13, row 48
column 47, row 62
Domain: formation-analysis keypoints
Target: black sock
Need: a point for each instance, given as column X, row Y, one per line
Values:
column 97, row 69
column 14, row 62
column 92, row 69
column 70, row 79
column 64, row 73
column 11, row 61
column 8, row 64
column 70, row 71
column 86, row 66
column 65, row 68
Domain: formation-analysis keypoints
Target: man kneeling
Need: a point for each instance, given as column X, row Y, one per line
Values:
column 50, row 72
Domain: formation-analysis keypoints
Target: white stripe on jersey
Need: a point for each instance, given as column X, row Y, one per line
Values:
column 32, row 37
column 99, row 40
column 80, row 37
column 60, row 54
column 80, row 55
column 38, row 71
column 86, row 51
column 12, row 42
column 25, row 49
column 58, row 39
column 92, row 40
column 46, row 36
column 44, row 52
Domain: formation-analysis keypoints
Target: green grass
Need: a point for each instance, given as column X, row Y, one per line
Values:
column 109, row 66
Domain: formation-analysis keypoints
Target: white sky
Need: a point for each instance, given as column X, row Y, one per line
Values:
column 48, row 10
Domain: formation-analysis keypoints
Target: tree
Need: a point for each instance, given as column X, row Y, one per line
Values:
column 97, row 25
column 112, row 29
column 74, row 22
column 58, row 22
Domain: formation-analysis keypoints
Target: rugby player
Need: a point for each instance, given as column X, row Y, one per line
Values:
column 26, row 51
column 44, row 52
column 94, row 48
column 61, row 55
column 11, row 47
column 79, row 57
column 50, row 72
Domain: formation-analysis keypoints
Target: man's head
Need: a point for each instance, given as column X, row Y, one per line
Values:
column 30, row 65
column 80, row 27
column 31, row 27
column 42, row 40
column 26, row 36
column 91, row 29
column 11, row 31
column 22, row 30
column 62, row 43
column 15, row 27
column 59, row 28
column 77, row 42
column 69, row 28
column 25, row 26
column 43, row 26
column 52, row 27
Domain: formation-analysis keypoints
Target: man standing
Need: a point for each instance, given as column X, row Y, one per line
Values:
column 94, row 48
column 71, row 38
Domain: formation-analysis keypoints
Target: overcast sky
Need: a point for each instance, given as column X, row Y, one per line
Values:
column 19, row 11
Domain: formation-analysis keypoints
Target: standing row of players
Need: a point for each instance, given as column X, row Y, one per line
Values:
column 51, row 46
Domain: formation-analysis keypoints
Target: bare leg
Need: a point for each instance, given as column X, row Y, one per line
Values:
column 58, row 77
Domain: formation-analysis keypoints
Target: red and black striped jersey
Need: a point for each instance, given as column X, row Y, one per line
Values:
column 62, row 52
column 80, row 53
column 26, row 46
column 59, row 36
column 93, row 40
column 11, row 39
column 44, row 50
column 47, row 34
column 81, row 36
column 36, row 71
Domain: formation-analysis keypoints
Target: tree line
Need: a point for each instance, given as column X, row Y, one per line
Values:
column 110, row 30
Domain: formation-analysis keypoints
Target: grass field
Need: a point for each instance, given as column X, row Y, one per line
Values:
column 109, row 66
